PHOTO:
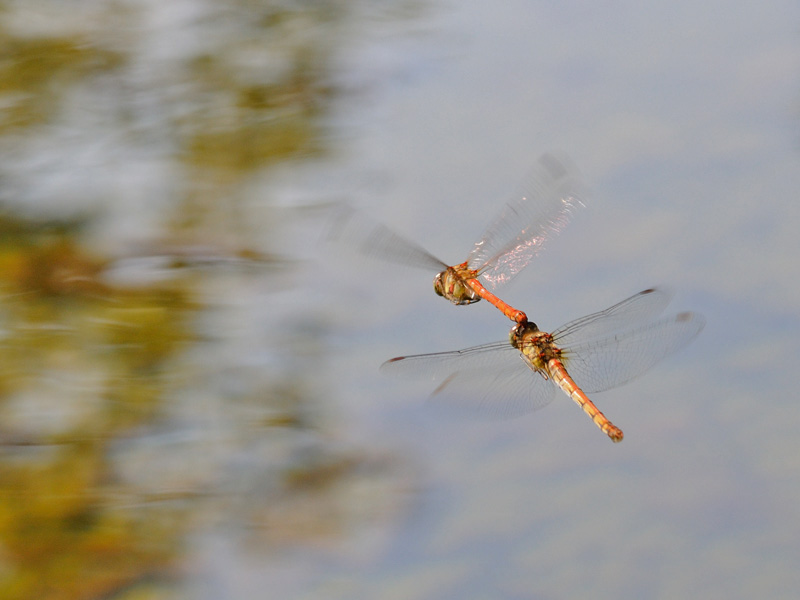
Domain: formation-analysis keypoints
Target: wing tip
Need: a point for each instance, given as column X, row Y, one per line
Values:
column 692, row 317
column 391, row 361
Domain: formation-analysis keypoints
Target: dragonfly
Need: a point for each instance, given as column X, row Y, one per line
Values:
column 547, row 199
column 595, row 353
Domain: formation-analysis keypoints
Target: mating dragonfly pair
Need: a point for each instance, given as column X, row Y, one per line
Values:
column 591, row 354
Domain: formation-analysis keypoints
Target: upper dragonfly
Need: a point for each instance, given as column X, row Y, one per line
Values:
column 591, row 354
column 548, row 197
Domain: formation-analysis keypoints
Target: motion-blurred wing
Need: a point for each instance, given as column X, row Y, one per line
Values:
column 355, row 229
column 543, row 207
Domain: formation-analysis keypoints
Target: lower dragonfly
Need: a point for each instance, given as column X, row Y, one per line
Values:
column 592, row 354
column 543, row 207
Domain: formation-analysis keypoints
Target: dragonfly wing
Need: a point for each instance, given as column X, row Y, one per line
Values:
column 644, row 306
column 492, row 380
column 542, row 208
column 601, row 364
column 355, row 229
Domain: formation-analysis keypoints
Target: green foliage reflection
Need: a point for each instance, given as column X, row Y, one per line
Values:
column 83, row 363
column 87, row 365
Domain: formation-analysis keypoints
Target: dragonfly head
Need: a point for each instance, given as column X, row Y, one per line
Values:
column 520, row 331
column 450, row 285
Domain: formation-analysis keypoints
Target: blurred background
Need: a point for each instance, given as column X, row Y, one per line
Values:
column 190, row 402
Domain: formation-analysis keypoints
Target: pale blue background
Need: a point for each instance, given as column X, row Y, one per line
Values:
column 684, row 120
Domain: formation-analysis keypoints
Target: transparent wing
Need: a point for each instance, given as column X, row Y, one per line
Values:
column 601, row 364
column 492, row 380
column 644, row 306
column 549, row 196
column 355, row 229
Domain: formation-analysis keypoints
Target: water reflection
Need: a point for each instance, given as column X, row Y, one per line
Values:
column 83, row 365
column 130, row 419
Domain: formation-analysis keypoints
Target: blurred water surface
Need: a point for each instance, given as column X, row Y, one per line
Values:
column 189, row 398
column 149, row 397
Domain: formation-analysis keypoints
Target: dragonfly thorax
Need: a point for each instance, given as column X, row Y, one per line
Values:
column 536, row 346
column 450, row 284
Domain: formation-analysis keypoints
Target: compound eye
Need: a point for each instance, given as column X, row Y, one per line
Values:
column 515, row 335
column 438, row 287
column 519, row 333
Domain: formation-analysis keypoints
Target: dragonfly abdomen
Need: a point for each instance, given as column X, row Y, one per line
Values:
column 512, row 313
column 561, row 378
